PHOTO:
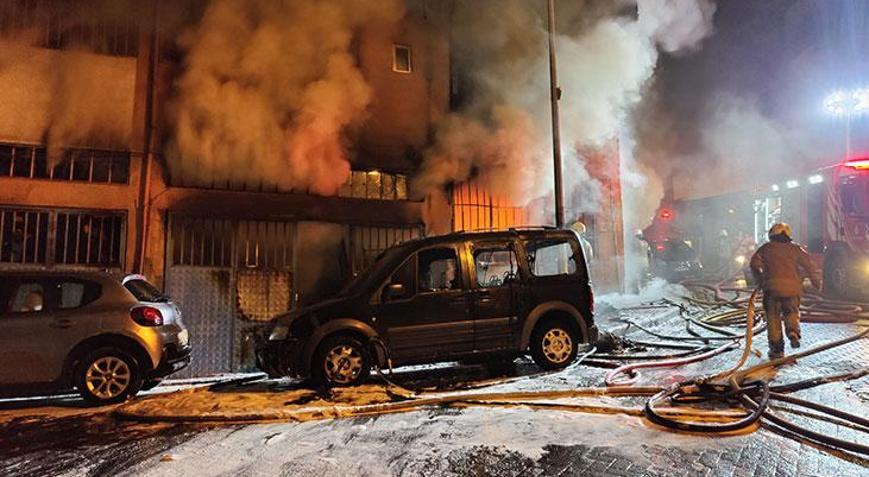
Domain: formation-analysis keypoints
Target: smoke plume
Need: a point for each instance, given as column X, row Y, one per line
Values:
column 270, row 92
column 606, row 57
column 74, row 99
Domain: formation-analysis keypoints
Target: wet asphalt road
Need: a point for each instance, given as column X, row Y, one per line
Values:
column 62, row 437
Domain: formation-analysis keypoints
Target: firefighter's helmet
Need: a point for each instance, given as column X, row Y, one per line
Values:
column 579, row 227
column 779, row 229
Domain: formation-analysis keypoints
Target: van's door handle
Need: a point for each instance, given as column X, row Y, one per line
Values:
column 484, row 297
column 63, row 323
column 458, row 300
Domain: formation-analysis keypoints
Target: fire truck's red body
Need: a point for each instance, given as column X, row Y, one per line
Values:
column 829, row 212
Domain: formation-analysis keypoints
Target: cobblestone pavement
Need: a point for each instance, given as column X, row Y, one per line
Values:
column 514, row 441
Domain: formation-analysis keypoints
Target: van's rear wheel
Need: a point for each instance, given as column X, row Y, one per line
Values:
column 107, row 376
column 554, row 344
column 341, row 361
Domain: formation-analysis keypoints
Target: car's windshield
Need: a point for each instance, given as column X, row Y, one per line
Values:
column 144, row 291
column 377, row 268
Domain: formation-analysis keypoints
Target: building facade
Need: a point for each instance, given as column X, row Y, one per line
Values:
column 84, row 180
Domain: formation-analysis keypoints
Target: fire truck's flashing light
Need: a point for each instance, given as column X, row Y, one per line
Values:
column 775, row 188
column 859, row 164
column 816, row 179
column 666, row 214
column 792, row 184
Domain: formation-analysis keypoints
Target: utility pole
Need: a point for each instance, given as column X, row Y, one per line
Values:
column 554, row 96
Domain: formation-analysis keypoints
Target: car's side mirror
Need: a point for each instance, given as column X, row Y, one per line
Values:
column 394, row 291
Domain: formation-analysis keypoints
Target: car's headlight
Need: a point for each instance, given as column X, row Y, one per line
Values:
column 279, row 333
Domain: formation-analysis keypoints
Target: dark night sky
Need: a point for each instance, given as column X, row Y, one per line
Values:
column 785, row 54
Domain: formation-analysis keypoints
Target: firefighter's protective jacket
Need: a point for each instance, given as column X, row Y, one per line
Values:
column 776, row 266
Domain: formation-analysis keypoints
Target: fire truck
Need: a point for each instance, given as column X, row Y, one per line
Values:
column 829, row 213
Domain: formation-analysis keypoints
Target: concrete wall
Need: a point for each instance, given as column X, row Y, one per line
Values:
column 73, row 99
column 405, row 105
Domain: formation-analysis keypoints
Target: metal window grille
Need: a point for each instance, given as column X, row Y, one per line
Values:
column 89, row 239
column 366, row 243
column 265, row 245
column 48, row 237
column 69, row 23
column 207, row 242
column 375, row 185
column 75, row 165
column 475, row 208
column 23, row 236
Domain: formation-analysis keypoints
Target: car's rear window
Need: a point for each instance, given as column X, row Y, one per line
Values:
column 144, row 291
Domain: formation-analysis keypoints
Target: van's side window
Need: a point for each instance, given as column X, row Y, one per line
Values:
column 495, row 268
column 551, row 258
column 438, row 270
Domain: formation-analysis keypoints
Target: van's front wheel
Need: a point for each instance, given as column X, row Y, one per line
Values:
column 341, row 361
column 554, row 344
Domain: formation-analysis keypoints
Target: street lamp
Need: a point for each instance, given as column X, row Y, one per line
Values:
column 847, row 104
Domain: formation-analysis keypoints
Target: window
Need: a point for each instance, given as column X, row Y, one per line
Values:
column 89, row 239
column 550, row 258
column 475, row 208
column 402, row 62
column 405, row 276
column 23, row 236
column 29, row 297
column 367, row 243
column 77, row 293
column 71, row 23
column 855, row 196
column 495, row 268
column 143, row 290
column 438, row 270
column 375, row 185
column 33, row 295
column 74, row 165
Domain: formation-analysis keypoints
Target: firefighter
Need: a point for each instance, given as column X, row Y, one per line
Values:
column 776, row 266
column 587, row 249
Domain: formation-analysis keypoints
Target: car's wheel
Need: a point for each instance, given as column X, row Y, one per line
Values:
column 341, row 361
column 836, row 276
column 554, row 344
column 107, row 376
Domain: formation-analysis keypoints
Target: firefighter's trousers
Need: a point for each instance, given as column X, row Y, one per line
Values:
column 778, row 308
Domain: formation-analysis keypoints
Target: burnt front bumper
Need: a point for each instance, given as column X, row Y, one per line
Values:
column 280, row 358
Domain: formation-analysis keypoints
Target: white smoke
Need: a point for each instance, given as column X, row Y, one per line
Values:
column 70, row 99
column 270, row 91
column 605, row 60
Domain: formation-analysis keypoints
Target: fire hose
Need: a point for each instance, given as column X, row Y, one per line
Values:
column 754, row 396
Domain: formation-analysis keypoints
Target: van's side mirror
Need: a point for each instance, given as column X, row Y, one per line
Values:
column 394, row 291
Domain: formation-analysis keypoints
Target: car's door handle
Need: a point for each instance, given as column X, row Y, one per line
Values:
column 61, row 323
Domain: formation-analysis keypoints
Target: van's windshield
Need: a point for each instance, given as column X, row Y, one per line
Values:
column 381, row 266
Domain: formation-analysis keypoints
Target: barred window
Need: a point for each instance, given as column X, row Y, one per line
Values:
column 375, row 185
column 23, row 236
column 89, row 239
column 475, row 208
column 366, row 243
column 75, row 165
column 208, row 242
column 70, row 23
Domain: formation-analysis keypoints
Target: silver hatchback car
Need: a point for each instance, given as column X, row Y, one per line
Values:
column 106, row 336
